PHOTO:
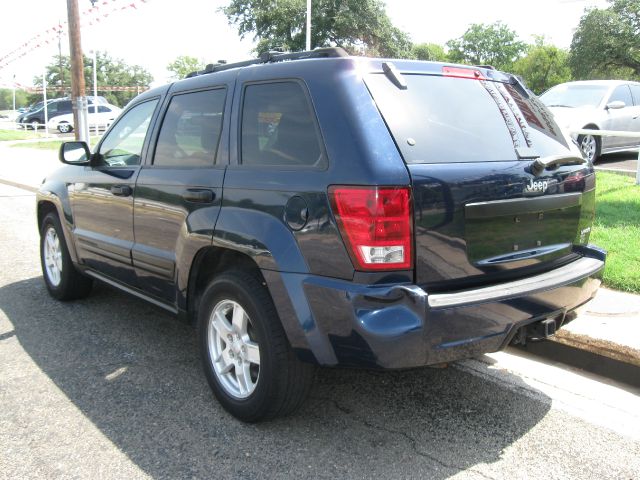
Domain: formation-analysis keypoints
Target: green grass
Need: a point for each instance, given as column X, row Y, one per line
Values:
column 617, row 229
column 18, row 135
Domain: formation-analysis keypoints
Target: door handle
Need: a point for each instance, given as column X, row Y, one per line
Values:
column 121, row 190
column 199, row 195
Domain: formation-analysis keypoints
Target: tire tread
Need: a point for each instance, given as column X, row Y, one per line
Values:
column 294, row 378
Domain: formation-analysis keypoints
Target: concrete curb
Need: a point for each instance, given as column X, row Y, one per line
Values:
column 18, row 185
column 597, row 346
column 619, row 171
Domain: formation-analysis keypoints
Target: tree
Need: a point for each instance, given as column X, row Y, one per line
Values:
column 111, row 72
column 482, row 44
column 607, row 41
column 6, row 99
column 429, row 51
column 184, row 65
column 543, row 66
column 359, row 26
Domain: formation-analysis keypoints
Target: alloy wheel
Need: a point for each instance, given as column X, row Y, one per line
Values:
column 234, row 354
column 52, row 256
column 589, row 146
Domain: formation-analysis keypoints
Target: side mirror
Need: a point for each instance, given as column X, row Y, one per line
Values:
column 615, row 105
column 75, row 153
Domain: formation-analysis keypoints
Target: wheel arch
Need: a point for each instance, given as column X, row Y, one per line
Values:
column 209, row 262
column 212, row 261
column 48, row 200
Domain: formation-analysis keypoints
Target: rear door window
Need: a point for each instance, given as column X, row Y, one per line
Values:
column 279, row 127
column 191, row 129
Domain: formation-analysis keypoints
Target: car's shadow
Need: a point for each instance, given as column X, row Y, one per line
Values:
column 134, row 372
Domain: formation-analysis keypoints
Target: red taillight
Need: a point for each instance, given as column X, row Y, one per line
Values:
column 375, row 223
column 462, row 72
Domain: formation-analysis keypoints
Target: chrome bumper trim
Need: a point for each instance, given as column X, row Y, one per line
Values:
column 575, row 271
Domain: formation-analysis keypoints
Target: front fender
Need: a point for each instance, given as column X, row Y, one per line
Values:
column 55, row 192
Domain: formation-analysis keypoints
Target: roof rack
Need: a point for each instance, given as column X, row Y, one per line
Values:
column 272, row 57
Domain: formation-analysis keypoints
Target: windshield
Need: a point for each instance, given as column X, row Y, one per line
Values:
column 572, row 96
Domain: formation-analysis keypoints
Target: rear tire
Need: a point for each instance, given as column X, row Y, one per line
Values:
column 62, row 279
column 238, row 326
column 590, row 145
column 64, row 128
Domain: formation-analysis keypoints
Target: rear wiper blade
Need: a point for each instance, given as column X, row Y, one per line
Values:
column 539, row 165
column 392, row 73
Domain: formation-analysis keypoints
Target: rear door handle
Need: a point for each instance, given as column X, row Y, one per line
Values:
column 199, row 195
column 121, row 190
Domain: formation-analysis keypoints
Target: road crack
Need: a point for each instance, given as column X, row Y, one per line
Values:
column 413, row 442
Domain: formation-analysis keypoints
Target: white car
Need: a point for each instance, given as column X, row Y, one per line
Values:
column 104, row 117
column 601, row 105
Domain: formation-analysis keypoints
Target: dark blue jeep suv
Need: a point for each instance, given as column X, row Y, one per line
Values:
column 319, row 209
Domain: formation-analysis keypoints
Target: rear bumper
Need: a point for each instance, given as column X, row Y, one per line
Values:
column 334, row 322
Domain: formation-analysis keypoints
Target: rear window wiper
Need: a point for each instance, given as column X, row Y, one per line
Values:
column 559, row 105
column 539, row 165
column 392, row 73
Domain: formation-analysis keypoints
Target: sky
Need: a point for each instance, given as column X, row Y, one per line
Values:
column 155, row 32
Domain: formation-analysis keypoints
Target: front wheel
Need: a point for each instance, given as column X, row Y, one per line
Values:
column 590, row 146
column 35, row 124
column 62, row 279
column 247, row 359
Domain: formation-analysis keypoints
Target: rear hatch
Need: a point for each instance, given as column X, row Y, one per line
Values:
column 485, row 208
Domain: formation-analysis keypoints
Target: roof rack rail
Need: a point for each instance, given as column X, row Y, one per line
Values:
column 272, row 57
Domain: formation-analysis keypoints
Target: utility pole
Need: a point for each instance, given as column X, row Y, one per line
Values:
column 308, row 43
column 78, row 97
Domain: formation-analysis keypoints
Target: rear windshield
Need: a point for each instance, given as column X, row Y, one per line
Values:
column 446, row 119
column 574, row 95
column 442, row 119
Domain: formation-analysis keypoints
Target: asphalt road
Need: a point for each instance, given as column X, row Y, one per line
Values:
column 110, row 387
column 619, row 161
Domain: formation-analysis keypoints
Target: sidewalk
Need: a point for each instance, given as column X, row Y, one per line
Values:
column 26, row 166
column 608, row 327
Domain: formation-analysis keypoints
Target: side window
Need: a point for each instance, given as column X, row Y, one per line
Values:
column 279, row 127
column 191, row 129
column 622, row 93
column 101, row 109
column 123, row 145
column 635, row 90
column 52, row 108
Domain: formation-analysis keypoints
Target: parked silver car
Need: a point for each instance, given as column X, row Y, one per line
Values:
column 597, row 104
